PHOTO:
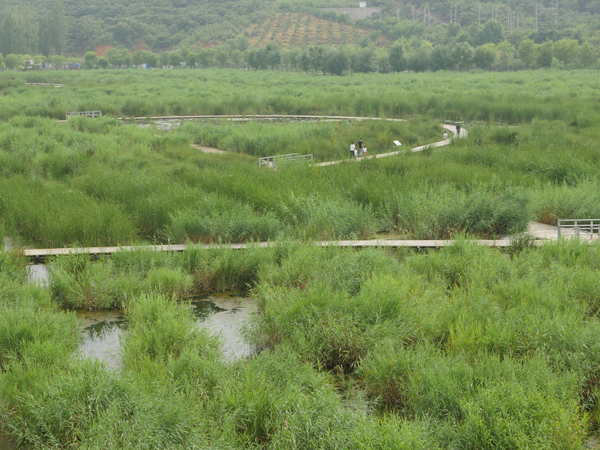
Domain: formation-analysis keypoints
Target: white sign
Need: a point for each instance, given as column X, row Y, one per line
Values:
column 397, row 143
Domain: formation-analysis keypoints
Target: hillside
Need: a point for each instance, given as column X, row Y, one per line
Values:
column 73, row 26
column 294, row 30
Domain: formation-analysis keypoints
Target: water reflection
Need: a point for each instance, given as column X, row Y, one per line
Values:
column 100, row 336
column 222, row 314
column 38, row 274
column 228, row 315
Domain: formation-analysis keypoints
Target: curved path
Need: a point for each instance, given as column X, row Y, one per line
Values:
column 281, row 117
column 450, row 128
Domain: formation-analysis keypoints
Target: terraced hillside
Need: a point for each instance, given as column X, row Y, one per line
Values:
column 292, row 30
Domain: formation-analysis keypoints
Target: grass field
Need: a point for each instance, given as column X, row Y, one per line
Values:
column 465, row 347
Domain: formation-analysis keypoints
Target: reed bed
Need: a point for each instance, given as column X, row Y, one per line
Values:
column 102, row 183
column 462, row 347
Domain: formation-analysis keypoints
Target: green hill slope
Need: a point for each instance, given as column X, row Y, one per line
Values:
column 75, row 26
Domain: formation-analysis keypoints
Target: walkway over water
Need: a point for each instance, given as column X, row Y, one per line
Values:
column 42, row 254
column 539, row 233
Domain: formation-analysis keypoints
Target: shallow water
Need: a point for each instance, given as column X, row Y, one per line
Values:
column 222, row 314
column 227, row 315
column 38, row 274
column 100, row 335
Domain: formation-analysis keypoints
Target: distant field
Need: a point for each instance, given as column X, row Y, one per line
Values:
column 295, row 30
column 508, row 97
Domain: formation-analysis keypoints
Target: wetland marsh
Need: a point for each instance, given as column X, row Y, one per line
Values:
column 462, row 347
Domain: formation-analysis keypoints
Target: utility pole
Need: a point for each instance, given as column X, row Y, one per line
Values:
column 456, row 13
column 479, row 19
column 556, row 13
column 413, row 12
column 536, row 14
column 451, row 15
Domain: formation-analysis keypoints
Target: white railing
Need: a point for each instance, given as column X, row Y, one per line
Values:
column 271, row 161
column 92, row 114
column 577, row 227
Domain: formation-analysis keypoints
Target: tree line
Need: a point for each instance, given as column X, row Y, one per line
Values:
column 340, row 60
column 484, row 49
column 21, row 33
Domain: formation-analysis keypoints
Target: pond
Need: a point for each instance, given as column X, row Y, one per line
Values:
column 222, row 314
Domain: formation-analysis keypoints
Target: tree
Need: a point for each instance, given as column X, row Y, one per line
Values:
column 527, row 52
column 544, row 54
column 103, row 62
column 506, row 52
column 175, row 59
column 192, row 59
column 295, row 57
column 118, row 57
column 258, row 58
column 83, row 32
column 286, row 58
column 44, row 35
column 152, row 59
column 90, row 59
column 273, row 55
column 28, row 17
column 586, row 55
column 383, row 61
column 56, row 61
column 12, row 36
column 418, row 60
column 439, row 58
column 241, row 43
column 304, row 61
column 58, row 27
column 316, row 54
column 207, row 57
column 336, row 61
column 138, row 57
column 485, row 56
column 365, row 61
column 490, row 33
column 164, row 58
column 397, row 57
column 11, row 61
column 222, row 57
column 565, row 50
column 461, row 55
column 237, row 57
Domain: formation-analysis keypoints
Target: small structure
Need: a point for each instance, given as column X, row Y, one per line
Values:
column 70, row 66
column 362, row 12
column 271, row 161
column 579, row 227
column 92, row 114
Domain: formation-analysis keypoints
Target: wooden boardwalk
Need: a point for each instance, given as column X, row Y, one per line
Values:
column 249, row 117
column 43, row 254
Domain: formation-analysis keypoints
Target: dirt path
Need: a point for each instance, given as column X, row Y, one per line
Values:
column 208, row 149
